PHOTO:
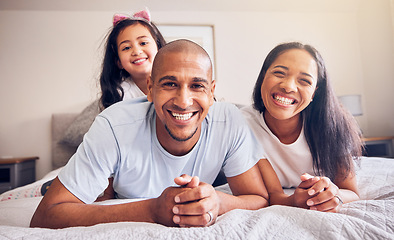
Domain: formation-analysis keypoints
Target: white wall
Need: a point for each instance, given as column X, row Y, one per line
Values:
column 49, row 60
column 377, row 54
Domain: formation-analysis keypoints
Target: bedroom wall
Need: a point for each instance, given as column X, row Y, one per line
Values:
column 50, row 57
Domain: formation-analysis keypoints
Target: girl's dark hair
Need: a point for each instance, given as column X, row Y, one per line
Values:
column 332, row 134
column 111, row 75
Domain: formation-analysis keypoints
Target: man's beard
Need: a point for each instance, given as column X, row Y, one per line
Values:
column 177, row 138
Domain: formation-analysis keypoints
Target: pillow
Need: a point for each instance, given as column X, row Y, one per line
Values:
column 34, row 189
column 73, row 136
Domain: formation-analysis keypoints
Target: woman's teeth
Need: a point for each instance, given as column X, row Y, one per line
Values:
column 284, row 100
column 182, row 117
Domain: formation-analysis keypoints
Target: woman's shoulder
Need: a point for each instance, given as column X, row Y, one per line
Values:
column 252, row 115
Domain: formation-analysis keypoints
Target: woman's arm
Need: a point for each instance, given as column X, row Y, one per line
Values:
column 276, row 193
column 272, row 184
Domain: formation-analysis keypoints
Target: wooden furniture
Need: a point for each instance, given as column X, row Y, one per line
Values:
column 16, row 172
column 379, row 147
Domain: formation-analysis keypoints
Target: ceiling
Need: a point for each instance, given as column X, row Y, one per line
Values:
column 180, row 5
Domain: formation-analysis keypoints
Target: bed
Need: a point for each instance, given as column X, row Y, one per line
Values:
column 369, row 218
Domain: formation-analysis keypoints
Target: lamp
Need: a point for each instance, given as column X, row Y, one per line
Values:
column 352, row 103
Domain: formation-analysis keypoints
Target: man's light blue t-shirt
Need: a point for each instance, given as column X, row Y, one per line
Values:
column 122, row 143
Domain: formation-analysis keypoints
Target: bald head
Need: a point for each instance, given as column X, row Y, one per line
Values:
column 185, row 47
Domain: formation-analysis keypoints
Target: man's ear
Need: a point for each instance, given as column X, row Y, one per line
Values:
column 149, row 84
column 213, row 86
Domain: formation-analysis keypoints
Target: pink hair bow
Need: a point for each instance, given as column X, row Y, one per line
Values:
column 143, row 15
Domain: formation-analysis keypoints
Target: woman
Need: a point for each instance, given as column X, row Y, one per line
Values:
column 304, row 129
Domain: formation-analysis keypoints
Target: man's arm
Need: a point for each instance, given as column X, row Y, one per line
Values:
column 192, row 206
column 60, row 208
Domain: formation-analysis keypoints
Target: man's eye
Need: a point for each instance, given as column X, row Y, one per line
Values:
column 169, row 84
column 197, row 86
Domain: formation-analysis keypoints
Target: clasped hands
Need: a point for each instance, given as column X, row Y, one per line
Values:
column 192, row 204
column 317, row 193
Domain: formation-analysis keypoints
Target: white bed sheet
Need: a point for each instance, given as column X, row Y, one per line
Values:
column 369, row 218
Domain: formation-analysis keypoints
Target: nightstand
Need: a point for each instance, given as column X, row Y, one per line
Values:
column 379, row 147
column 16, row 172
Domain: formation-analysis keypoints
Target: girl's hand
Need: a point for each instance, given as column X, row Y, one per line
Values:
column 324, row 196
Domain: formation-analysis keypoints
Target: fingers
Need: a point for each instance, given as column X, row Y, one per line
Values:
column 194, row 182
column 308, row 181
column 183, row 179
column 202, row 220
column 324, row 194
column 306, row 176
column 199, row 213
column 203, row 190
column 187, row 181
column 320, row 186
column 192, row 206
column 332, row 205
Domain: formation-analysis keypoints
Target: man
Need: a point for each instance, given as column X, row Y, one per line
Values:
column 146, row 146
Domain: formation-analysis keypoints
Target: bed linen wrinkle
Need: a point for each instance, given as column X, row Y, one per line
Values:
column 369, row 218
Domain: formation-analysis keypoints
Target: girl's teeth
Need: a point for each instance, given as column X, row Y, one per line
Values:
column 284, row 100
column 140, row 60
column 182, row 117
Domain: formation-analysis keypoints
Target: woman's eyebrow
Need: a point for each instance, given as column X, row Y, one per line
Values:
column 281, row 66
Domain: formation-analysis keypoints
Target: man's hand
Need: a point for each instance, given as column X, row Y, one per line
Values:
column 187, row 181
column 162, row 207
column 198, row 205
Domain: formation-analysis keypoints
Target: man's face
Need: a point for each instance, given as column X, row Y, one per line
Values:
column 182, row 92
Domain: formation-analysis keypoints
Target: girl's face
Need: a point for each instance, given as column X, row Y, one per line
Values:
column 289, row 84
column 136, row 49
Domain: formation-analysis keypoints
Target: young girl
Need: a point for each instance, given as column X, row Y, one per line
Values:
column 130, row 49
column 303, row 128
column 131, row 46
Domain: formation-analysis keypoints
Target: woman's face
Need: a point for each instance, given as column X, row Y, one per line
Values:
column 136, row 50
column 289, row 84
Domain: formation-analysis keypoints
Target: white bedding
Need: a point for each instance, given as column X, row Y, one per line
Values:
column 369, row 218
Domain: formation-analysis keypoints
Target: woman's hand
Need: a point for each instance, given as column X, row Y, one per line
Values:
column 301, row 195
column 323, row 194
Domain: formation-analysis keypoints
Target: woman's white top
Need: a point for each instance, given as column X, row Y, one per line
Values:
column 131, row 90
column 289, row 161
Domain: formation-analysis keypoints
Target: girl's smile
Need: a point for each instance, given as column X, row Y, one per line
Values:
column 136, row 50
